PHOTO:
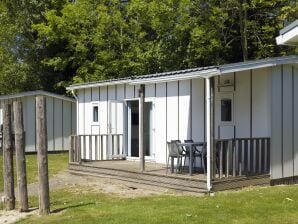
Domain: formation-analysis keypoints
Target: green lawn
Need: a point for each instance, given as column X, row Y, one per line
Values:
column 256, row 205
column 57, row 162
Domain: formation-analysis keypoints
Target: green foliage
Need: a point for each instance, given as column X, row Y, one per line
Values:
column 51, row 44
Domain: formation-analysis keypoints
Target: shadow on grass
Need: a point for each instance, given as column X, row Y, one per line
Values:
column 71, row 206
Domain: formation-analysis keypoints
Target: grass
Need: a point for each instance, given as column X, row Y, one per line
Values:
column 57, row 162
column 253, row 205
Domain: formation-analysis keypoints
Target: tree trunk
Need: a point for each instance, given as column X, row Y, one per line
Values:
column 20, row 155
column 243, row 29
column 9, row 194
column 42, row 152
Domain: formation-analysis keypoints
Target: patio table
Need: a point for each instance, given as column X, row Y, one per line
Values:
column 191, row 146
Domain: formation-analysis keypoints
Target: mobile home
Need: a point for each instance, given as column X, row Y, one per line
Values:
column 252, row 105
column 61, row 118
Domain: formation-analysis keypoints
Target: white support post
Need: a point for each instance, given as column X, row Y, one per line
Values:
column 209, row 137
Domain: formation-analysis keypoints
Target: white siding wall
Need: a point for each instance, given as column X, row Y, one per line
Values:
column 61, row 122
column 284, row 144
column 251, row 109
column 179, row 108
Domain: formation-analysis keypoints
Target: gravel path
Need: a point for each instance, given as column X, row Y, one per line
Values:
column 76, row 183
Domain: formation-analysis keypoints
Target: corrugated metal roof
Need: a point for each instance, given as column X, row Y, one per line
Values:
column 204, row 72
column 142, row 77
column 35, row 93
column 179, row 72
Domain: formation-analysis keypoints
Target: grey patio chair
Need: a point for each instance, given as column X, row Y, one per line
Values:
column 200, row 151
column 174, row 151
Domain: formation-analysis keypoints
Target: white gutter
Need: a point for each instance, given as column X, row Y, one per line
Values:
column 172, row 78
column 105, row 83
column 208, row 133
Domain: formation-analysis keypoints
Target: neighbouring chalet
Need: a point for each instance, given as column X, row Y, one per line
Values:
column 61, row 118
column 246, row 113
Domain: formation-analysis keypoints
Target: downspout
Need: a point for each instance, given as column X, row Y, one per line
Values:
column 209, row 130
column 77, row 110
column 141, row 128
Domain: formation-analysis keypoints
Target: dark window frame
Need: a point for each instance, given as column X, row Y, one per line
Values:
column 226, row 110
column 95, row 113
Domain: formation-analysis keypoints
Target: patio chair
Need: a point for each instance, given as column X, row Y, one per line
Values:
column 174, row 151
column 200, row 151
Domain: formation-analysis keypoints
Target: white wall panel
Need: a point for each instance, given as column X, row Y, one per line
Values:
column 184, row 110
column 30, row 130
column 172, row 111
column 295, row 122
column 73, row 118
column 160, row 122
column 242, row 104
column 149, row 90
column 276, row 136
column 261, row 103
column 50, row 122
column 103, row 110
column 95, row 94
column 287, row 120
column 66, row 124
column 81, row 112
column 58, row 125
column 198, row 109
column 88, row 111
column 129, row 91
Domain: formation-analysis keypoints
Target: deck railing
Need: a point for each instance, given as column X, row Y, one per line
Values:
column 241, row 156
column 95, row 147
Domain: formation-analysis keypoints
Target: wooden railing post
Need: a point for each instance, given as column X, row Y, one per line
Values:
column 268, row 155
column 240, row 156
column 227, row 158
column 221, row 160
column 79, row 150
column 234, row 157
column 90, row 147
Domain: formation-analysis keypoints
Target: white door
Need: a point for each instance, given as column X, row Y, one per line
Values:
column 115, row 127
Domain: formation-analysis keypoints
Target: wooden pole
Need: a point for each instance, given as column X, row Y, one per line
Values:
column 9, row 194
column 141, row 129
column 42, row 153
column 20, row 155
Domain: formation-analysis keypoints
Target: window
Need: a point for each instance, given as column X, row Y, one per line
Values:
column 95, row 113
column 226, row 110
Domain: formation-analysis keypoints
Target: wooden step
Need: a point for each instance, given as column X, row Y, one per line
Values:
column 141, row 178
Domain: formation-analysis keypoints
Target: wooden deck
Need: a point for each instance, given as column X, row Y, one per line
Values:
column 157, row 175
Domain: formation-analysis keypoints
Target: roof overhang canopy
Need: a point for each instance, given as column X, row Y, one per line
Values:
column 288, row 35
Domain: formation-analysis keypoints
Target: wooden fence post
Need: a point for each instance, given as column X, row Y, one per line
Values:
column 20, row 155
column 42, row 152
column 9, row 194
